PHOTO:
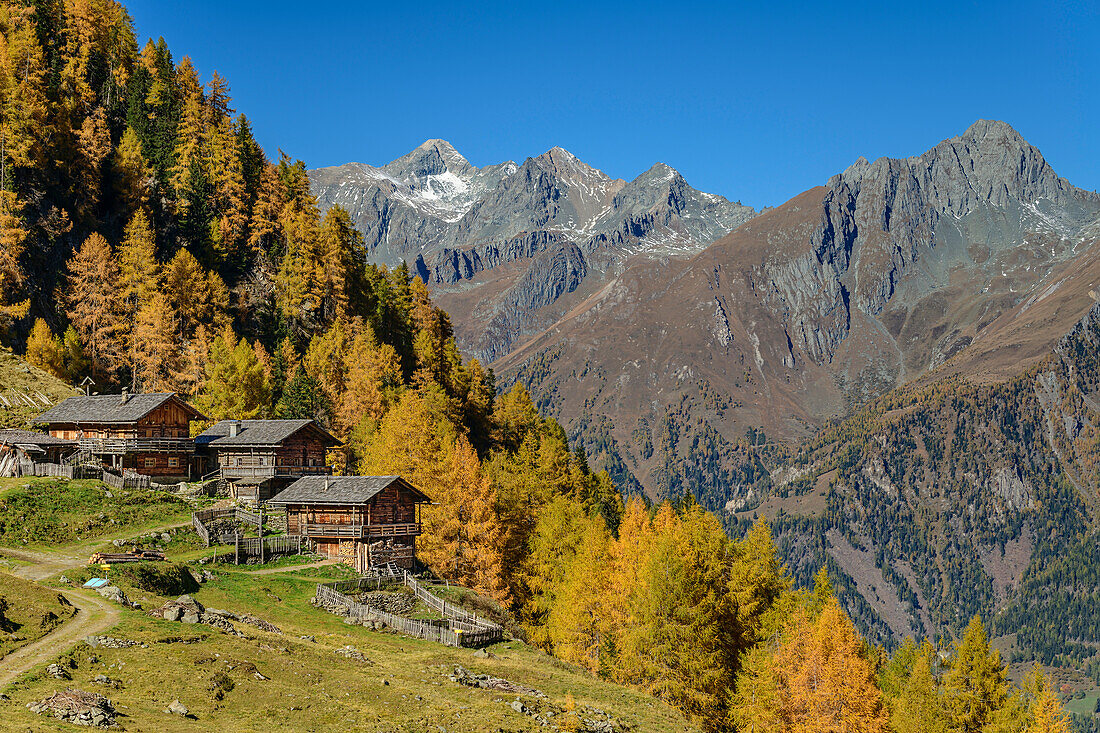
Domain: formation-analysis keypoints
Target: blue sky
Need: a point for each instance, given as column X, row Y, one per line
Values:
column 756, row 102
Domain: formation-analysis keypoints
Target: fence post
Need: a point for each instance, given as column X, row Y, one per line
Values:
column 236, row 548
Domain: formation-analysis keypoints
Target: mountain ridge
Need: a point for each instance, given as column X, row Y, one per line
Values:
column 510, row 243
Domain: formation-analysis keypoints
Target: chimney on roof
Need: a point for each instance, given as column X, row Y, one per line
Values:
column 326, row 484
column 234, row 428
column 125, row 396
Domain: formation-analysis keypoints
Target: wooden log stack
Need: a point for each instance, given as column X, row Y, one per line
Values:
column 112, row 558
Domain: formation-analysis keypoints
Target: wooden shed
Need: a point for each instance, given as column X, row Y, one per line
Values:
column 21, row 449
column 365, row 521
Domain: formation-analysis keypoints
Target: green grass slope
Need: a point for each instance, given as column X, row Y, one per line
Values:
column 17, row 377
column 265, row 681
column 52, row 511
column 28, row 611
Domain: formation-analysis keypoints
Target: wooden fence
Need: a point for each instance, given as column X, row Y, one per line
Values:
column 128, row 480
column 244, row 547
column 445, row 608
column 467, row 630
column 52, row 469
column 201, row 518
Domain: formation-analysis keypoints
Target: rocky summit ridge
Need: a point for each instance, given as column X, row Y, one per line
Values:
column 514, row 238
column 892, row 269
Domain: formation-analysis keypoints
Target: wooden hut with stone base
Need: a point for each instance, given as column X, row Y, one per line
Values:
column 364, row 521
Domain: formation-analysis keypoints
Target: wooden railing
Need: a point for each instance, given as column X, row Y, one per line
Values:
column 460, row 629
column 118, row 446
column 358, row 531
column 266, row 472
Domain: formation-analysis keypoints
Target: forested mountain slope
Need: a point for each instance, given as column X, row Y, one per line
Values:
column 948, row 498
column 147, row 241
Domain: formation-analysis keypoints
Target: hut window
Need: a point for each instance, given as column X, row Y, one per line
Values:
column 173, row 461
column 150, row 462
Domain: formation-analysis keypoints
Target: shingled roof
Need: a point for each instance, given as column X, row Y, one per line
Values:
column 340, row 489
column 111, row 408
column 28, row 437
column 260, row 433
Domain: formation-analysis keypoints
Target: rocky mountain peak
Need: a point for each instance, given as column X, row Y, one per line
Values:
column 659, row 173
column 565, row 165
column 430, row 158
column 993, row 130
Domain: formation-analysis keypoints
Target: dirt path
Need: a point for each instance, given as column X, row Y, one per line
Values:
column 291, row 568
column 42, row 564
column 94, row 615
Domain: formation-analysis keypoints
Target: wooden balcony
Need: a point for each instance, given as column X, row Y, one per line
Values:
column 358, row 531
column 262, row 473
column 123, row 446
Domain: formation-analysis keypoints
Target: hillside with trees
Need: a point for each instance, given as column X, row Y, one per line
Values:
column 147, row 241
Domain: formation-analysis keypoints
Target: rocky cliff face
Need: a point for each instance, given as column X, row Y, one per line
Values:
column 504, row 243
column 972, row 257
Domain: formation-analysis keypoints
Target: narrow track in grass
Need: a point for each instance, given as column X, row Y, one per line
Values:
column 94, row 615
column 291, row 568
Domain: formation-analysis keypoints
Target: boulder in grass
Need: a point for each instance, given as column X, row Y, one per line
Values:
column 177, row 708
column 58, row 672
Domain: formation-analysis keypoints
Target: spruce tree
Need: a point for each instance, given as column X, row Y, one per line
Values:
column 303, row 398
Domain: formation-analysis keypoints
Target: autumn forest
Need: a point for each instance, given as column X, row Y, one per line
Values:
column 148, row 242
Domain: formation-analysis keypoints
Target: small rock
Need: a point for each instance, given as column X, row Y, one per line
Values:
column 109, row 642
column 177, row 708
column 308, row 638
column 58, row 672
column 519, row 707
column 173, row 613
column 64, row 579
column 190, row 617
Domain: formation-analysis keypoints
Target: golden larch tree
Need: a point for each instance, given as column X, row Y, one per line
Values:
column 155, row 346
column 95, row 305
column 44, row 349
column 463, row 537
